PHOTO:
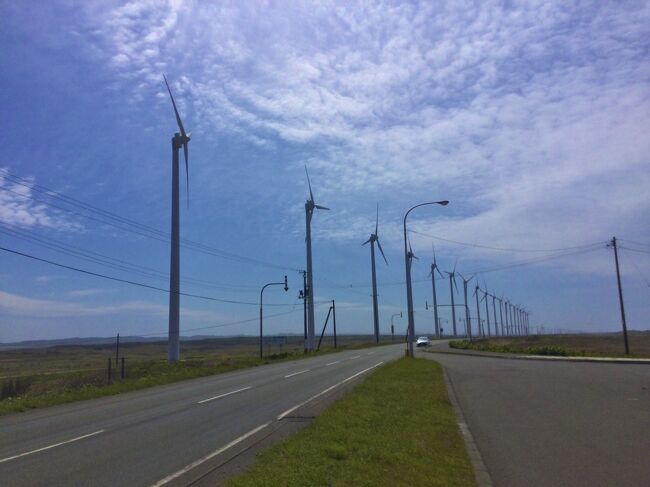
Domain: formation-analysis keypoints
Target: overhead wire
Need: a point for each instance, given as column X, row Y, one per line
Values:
column 134, row 283
column 131, row 225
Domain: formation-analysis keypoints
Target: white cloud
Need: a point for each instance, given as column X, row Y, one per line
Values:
column 19, row 209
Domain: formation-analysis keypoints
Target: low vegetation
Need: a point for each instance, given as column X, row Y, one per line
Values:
column 395, row 428
column 40, row 377
column 578, row 345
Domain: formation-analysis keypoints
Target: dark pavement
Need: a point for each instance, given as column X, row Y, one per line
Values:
column 541, row 423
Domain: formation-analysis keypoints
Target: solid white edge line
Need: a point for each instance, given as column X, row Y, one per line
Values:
column 224, row 395
column 296, row 373
column 289, row 411
column 356, row 356
column 209, row 456
column 332, row 363
column 51, row 446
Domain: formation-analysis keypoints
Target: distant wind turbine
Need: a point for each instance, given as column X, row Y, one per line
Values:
column 409, row 260
column 374, row 237
column 479, row 326
column 468, row 323
column 487, row 310
column 432, row 274
column 452, row 284
column 179, row 140
column 494, row 310
column 310, row 205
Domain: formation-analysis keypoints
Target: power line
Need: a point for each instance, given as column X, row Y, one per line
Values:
column 111, row 262
column 503, row 249
column 634, row 250
column 635, row 243
column 110, row 219
column 635, row 266
column 133, row 283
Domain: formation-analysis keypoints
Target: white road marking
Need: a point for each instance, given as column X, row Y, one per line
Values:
column 356, row 356
column 209, row 456
column 51, row 446
column 370, row 353
column 296, row 373
column 224, row 395
column 332, row 363
column 289, row 411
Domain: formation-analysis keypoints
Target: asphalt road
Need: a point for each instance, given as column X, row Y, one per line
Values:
column 540, row 423
column 145, row 437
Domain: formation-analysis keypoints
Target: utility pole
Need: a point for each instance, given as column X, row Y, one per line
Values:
column 334, row 318
column 303, row 295
column 620, row 295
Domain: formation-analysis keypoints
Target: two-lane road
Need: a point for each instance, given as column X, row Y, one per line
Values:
column 542, row 423
column 149, row 436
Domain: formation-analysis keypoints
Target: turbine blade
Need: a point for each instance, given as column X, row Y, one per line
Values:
column 187, row 171
column 321, row 207
column 382, row 251
column 367, row 241
column 456, row 262
column 455, row 285
column 311, row 195
column 178, row 117
column 438, row 270
column 377, row 221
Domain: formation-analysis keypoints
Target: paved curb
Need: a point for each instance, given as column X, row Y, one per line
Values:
column 604, row 360
column 481, row 474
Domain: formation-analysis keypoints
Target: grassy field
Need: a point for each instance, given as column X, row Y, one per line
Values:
column 397, row 428
column 39, row 377
column 579, row 345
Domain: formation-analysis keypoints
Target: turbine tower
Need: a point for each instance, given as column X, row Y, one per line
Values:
column 432, row 274
column 409, row 261
column 374, row 237
column 501, row 314
column 479, row 327
column 452, row 284
column 179, row 140
column 487, row 310
column 468, row 323
column 310, row 205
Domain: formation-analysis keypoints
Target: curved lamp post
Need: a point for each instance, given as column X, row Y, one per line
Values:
column 286, row 288
column 392, row 326
column 409, row 293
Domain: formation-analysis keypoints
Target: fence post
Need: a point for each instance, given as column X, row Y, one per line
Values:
column 122, row 371
column 109, row 370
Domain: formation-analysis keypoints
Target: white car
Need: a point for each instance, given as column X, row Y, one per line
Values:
column 422, row 342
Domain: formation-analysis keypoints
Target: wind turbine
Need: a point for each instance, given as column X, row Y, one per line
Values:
column 487, row 310
column 501, row 313
column 310, row 205
column 432, row 274
column 374, row 237
column 452, row 284
column 409, row 262
column 179, row 140
column 494, row 311
column 478, row 311
column 468, row 323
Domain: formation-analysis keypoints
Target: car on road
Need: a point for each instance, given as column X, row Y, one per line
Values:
column 422, row 342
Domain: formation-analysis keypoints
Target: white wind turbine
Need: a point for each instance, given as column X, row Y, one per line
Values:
column 374, row 237
column 178, row 140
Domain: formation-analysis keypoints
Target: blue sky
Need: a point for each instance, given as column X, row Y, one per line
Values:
column 532, row 118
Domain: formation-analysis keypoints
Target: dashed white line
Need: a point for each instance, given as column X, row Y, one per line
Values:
column 332, row 363
column 51, row 446
column 209, row 456
column 224, row 395
column 289, row 411
column 296, row 373
column 356, row 356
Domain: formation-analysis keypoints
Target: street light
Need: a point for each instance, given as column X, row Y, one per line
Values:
column 286, row 288
column 392, row 327
column 409, row 292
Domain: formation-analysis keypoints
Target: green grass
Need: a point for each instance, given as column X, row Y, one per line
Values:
column 489, row 346
column 578, row 345
column 397, row 428
column 42, row 377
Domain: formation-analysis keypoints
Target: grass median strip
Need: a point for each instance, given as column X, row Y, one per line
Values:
column 395, row 428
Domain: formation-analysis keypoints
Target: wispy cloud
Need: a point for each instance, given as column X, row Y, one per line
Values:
column 19, row 208
column 533, row 115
